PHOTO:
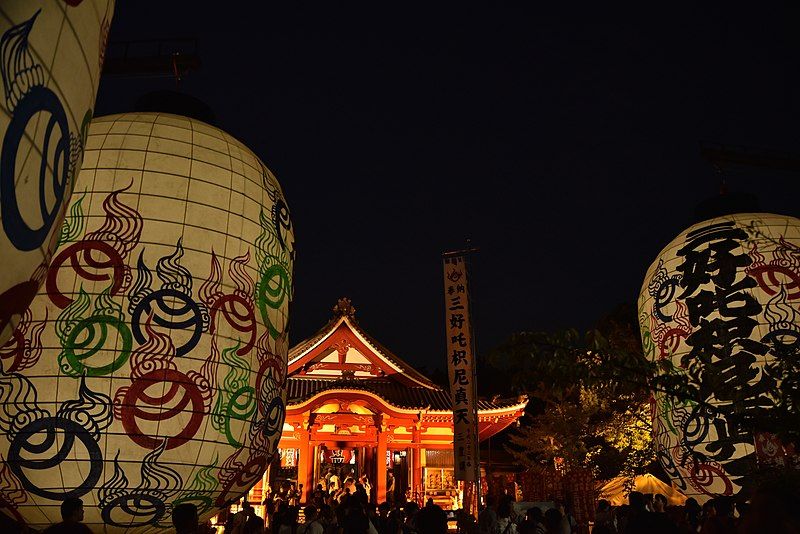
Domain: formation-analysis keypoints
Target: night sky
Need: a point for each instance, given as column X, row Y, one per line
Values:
column 564, row 143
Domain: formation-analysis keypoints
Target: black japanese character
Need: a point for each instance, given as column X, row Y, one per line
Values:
column 456, row 320
column 459, row 340
column 461, row 416
column 455, row 304
column 461, row 395
column 460, row 377
column 458, row 357
column 715, row 261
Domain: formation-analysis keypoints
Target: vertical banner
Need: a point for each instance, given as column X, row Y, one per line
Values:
column 461, row 368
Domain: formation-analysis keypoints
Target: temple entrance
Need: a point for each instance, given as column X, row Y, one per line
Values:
column 342, row 464
column 337, row 463
column 334, row 466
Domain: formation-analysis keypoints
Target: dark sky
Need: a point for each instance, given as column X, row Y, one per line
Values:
column 564, row 143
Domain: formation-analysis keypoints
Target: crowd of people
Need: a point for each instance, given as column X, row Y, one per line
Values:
column 502, row 518
column 345, row 507
column 342, row 503
column 769, row 510
column 338, row 507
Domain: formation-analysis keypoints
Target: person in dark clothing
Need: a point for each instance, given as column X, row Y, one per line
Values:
column 487, row 521
column 641, row 521
column 742, row 509
column 774, row 507
column 184, row 518
column 254, row 523
column 354, row 520
column 692, row 513
column 71, row 515
column 382, row 519
column 533, row 522
column 410, row 512
column 361, row 494
column 722, row 520
column 328, row 519
column 637, row 512
column 659, row 504
column 552, row 521
column 312, row 524
column 432, row 519
column 708, row 511
column 394, row 523
column 604, row 521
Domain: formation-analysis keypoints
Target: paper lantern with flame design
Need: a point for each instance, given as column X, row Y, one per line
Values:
column 149, row 370
column 51, row 54
column 720, row 304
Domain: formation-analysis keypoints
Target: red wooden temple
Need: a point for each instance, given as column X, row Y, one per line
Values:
column 355, row 407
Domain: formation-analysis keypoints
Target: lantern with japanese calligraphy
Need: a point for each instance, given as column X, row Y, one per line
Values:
column 339, row 456
column 718, row 305
column 52, row 54
column 149, row 370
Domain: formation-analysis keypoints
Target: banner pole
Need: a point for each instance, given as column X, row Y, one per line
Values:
column 462, row 374
column 473, row 337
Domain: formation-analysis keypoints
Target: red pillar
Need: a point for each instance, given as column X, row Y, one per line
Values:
column 416, row 463
column 305, row 464
column 380, row 483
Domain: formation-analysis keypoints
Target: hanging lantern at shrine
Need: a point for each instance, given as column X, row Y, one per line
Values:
column 718, row 305
column 52, row 54
column 149, row 370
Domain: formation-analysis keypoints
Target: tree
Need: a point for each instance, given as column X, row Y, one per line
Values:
column 590, row 397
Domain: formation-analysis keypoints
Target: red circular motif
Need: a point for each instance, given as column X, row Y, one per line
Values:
column 131, row 412
column 80, row 257
column 703, row 476
column 767, row 278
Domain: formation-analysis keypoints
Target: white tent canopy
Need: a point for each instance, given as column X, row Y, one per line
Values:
column 614, row 490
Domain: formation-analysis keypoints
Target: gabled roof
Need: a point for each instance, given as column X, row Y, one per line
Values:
column 342, row 348
column 343, row 357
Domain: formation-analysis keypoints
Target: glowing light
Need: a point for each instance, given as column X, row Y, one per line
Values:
column 52, row 55
column 719, row 303
column 150, row 369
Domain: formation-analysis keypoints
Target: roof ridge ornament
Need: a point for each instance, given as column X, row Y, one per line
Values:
column 344, row 307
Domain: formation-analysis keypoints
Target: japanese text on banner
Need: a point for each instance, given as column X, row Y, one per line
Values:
column 460, row 361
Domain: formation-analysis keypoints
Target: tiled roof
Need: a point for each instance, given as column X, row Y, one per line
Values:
column 302, row 389
column 389, row 355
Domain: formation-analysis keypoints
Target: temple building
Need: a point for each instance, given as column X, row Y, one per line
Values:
column 355, row 408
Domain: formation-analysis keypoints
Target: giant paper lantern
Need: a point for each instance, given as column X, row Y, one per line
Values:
column 718, row 305
column 51, row 53
column 150, row 368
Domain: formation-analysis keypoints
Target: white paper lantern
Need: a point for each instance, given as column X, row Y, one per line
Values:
column 51, row 54
column 720, row 302
column 150, row 368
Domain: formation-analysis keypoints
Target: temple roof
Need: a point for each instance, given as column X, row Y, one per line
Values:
column 342, row 347
column 302, row 389
column 342, row 356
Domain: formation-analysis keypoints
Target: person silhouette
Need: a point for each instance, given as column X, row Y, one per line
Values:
column 184, row 518
column 71, row 516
